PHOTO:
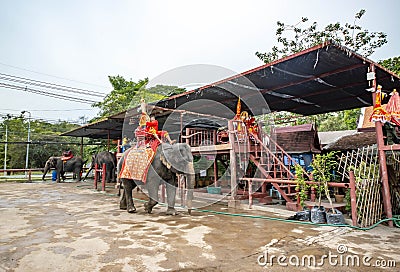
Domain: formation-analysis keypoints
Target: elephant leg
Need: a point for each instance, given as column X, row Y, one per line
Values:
column 171, row 194
column 127, row 200
column 58, row 179
column 62, row 175
column 152, row 188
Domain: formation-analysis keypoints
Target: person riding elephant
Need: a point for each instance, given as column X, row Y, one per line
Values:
column 168, row 161
column 107, row 158
column 74, row 164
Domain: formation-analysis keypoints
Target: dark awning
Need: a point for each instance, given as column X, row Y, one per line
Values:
column 123, row 124
column 324, row 78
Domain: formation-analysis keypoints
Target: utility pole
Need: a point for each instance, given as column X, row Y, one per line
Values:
column 5, row 152
column 29, row 139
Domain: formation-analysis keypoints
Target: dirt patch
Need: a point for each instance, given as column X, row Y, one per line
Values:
column 70, row 227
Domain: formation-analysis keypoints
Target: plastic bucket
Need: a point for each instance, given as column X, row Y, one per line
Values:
column 54, row 175
column 318, row 214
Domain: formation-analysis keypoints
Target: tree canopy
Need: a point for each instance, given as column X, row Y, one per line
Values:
column 294, row 38
column 44, row 138
column 393, row 64
column 127, row 94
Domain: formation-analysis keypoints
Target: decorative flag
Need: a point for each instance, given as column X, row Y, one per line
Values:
column 393, row 107
column 238, row 108
column 379, row 114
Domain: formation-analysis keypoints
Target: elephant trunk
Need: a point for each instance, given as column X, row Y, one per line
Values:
column 190, row 186
column 46, row 169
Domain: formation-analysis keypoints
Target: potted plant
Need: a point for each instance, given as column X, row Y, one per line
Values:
column 302, row 193
column 323, row 172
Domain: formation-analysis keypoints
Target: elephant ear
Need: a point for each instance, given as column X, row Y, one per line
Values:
column 176, row 156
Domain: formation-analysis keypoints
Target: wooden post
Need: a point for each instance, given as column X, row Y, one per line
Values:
column 312, row 194
column 96, row 169
column 215, row 171
column 353, row 200
column 81, row 147
column 250, row 184
column 387, row 205
column 233, row 202
column 108, row 140
column 187, row 134
column 103, row 178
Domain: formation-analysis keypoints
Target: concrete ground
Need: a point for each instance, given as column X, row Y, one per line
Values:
column 71, row 227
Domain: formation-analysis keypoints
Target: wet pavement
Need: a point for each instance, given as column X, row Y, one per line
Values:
column 71, row 227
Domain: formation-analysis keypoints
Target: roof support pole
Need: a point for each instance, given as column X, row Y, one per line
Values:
column 233, row 202
column 387, row 205
column 108, row 140
column 81, row 147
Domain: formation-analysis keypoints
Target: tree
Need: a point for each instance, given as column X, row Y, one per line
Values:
column 293, row 38
column 45, row 141
column 127, row 94
column 120, row 98
column 393, row 64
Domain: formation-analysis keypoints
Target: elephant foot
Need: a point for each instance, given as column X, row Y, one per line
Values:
column 171, row 211
column 131, row 209
column 149, row 207
column 122, row 207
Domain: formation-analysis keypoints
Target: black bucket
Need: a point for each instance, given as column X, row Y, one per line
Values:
column 335, row 218
column 318, row 214
column 304, row 215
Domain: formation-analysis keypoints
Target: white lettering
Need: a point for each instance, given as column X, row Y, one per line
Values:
column 281, row 260
column 333, row 257
column 366, row 260
column 297, row 263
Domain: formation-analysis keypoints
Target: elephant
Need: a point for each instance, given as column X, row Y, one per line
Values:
column 168, row 161
column 107, row 158
column 74, row 165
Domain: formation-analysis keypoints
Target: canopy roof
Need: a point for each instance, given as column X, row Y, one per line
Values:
column 325, row 78
column 125, row 123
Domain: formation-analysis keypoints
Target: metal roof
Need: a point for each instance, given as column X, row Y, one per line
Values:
column 325, row 78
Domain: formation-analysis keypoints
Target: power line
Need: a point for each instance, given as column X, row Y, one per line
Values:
column 51, row 75
column 52, row 110
column 48, row 120
column 49, row 85
column 59, row 96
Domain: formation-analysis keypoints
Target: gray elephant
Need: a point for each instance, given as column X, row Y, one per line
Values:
column 107, row 158
column 169, row 160
column 74, row 165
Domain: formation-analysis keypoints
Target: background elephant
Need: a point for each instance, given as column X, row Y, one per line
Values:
column 110, row 160
column 74, row 165
column 169, row 160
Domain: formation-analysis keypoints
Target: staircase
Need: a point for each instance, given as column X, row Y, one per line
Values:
column 273, row 163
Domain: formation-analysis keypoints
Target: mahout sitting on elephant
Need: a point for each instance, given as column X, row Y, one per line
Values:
column 74, row 164
column 168, row 161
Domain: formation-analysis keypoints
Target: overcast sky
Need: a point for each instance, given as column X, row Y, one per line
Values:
column 79, row 43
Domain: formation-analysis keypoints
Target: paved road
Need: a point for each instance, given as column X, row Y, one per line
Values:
column 70, row 227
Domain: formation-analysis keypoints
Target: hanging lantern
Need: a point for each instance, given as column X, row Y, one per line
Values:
column 379, row 114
